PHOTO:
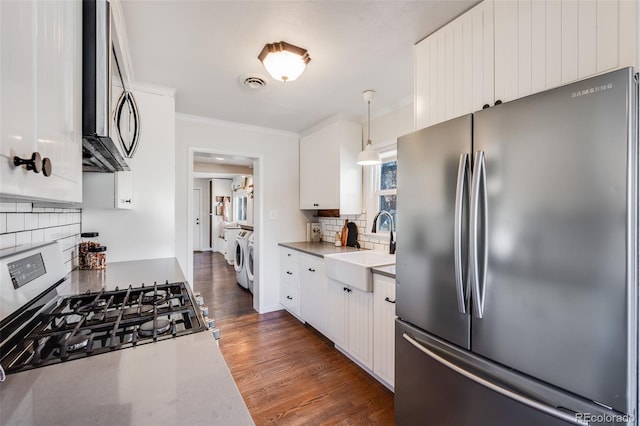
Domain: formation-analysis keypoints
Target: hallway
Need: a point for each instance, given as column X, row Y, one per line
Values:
column 287, row 372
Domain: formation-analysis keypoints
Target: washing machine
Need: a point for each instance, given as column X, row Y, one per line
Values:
column 239, row 261
column 249, row 261
column 230, row 236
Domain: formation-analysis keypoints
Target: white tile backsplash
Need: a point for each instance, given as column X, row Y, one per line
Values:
column 332, row 225
column 21, row 223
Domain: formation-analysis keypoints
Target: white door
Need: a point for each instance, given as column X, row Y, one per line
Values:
column 196, row 219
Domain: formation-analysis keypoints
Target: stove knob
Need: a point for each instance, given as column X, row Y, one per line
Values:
column 200, row 300
column 204, row 310
column 211, row 323
column 216, row 333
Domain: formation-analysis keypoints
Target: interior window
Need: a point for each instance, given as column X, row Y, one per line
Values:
column 240, row 208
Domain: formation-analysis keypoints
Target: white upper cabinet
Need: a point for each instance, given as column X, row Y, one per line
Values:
column 329, row 175
column 40, row 110
column 544, row 44
column 454, row 68
column 506, row 49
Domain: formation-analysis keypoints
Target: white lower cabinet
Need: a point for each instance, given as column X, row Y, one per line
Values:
column 289, row 281
column 350, row 321
column 313, row 291
column 384, row 314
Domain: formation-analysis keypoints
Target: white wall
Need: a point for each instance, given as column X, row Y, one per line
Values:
column 276, row 202
column 147, row 231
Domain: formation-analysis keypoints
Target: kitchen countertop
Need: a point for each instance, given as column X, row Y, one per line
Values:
column 123, row 274
column 122, row 387
column 388, row 271
column 319, row 249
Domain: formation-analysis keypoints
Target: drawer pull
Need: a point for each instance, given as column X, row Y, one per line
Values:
column 311, row 270
column 386, row 299
column 289, row 297
column 289, row 273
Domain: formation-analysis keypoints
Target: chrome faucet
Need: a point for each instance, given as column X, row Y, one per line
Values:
column 392, row 243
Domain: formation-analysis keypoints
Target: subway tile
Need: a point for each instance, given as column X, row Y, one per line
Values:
column 369, row 245
column 57, row 210
column 23, row 238
column 49, row 209
column 54, row 219
column 37, row 236
column 15, row 222
column 43, row 220
column 75, row 228
column 3, row 223
column 24, row 207
column 7, row 240
column 8, row 207
column 31, row 221
column 38, row 210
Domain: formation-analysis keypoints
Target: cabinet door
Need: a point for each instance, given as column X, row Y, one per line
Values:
column 320, row 170
column 313, row 292
column 544, row 44
column 454, row 72
column 40, row 105
column 360, row 322
column 123, row 190
column 337, row 313
column 384, row 312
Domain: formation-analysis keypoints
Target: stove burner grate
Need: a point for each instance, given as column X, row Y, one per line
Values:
column 162, row 326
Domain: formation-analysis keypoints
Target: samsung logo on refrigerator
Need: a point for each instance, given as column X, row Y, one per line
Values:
column 592, row 90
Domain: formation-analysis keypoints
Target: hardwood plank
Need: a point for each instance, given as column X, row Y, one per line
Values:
column 287, row 372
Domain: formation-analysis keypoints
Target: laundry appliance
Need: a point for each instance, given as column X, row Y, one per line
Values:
column 240, row 258
column 250, row 262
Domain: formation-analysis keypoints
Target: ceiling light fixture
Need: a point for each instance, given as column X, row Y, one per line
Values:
column 369, row 157
column 284, row 61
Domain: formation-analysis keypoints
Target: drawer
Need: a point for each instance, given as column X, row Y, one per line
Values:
column 288, row 255
column 289, row 274
column 289, row 298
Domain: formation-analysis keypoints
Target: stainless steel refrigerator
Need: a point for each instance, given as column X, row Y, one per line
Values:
column 517, row 262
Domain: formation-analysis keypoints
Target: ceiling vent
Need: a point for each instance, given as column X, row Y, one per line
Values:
column 252, row 81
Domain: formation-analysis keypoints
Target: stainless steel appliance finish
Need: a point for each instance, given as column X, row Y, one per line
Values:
column 39, row 327
column 100, row 153
column 536, row 250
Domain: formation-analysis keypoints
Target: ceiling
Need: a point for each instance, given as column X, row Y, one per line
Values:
column 201, row 48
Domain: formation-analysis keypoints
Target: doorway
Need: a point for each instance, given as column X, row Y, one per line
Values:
column 229, row 187
column 197, row 213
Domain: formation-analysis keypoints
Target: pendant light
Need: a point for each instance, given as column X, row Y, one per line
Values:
column 369, row 157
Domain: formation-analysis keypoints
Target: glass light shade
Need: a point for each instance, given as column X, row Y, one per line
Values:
column 284, row 61
column 369, row 157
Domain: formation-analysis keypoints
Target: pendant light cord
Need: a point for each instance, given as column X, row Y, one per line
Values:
column 369, row 122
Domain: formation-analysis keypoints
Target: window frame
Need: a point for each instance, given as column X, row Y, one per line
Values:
column 372, row 191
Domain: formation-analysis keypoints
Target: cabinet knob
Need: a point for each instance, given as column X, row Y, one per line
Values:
column 316, row 205
column 386, row 299
column 127, row 201
column 36, row 163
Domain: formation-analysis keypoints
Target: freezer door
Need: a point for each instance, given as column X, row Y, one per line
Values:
column 432, row 292
column 556, row 284
column 439, row 384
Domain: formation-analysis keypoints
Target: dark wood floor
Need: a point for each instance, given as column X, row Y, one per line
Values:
column 287, row 373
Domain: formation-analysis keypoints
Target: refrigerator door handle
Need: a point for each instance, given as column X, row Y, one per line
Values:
column 523, row 399
column 461, row 278
column 478, row 191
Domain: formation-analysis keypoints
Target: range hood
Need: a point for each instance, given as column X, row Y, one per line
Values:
column 99, row 152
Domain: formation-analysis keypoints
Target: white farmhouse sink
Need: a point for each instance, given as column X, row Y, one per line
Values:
column 354, row 268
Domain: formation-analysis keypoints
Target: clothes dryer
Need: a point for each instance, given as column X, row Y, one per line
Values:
column 239, row 261
column 250, row 262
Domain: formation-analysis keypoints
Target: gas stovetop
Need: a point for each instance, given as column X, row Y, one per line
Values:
column 68, row 328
